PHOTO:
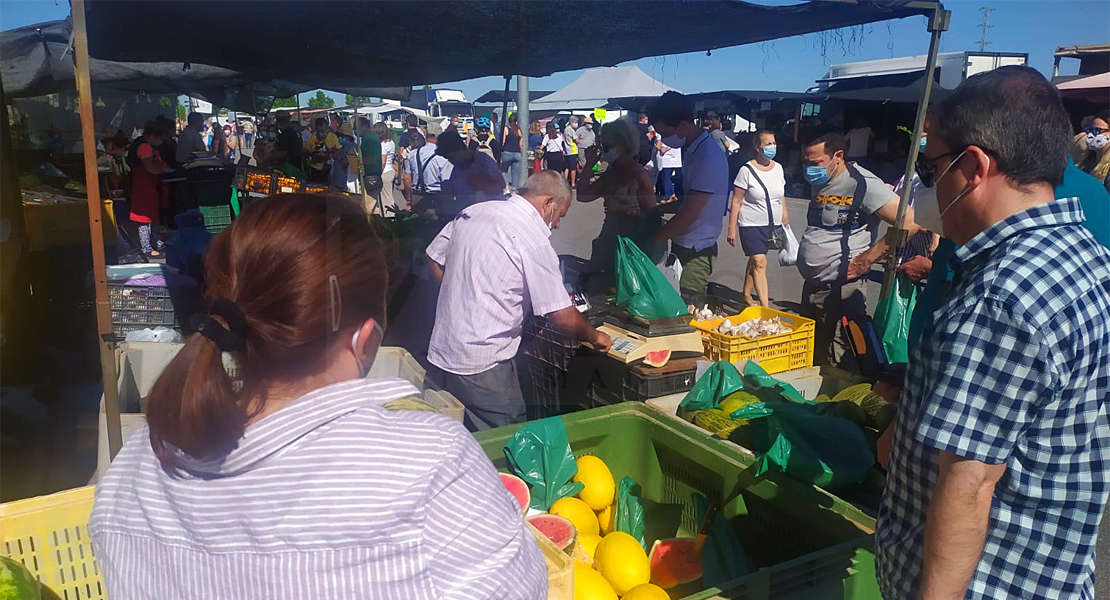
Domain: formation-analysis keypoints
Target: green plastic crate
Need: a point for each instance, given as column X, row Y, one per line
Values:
column 216, row 218
column 807, row 543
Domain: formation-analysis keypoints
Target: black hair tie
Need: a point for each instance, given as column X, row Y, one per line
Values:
column 229, row 338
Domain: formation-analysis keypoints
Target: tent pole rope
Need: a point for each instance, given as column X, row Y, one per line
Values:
column 896, row 235
column 96, row 230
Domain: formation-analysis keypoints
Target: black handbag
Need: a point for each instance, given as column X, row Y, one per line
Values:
column 777, row 239
column 373, row 183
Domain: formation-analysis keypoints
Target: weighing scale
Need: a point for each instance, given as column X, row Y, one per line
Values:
column 633, row 337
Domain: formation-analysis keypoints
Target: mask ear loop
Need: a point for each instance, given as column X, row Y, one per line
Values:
column 336, row 302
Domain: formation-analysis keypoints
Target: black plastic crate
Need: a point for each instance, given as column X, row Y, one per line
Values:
column 639, row 386
column 547, row 390
column 140, row 307
column 547, row 344
column 616, row 382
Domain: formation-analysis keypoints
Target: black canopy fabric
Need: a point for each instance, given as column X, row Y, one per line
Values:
column 450, row 40
column 734, row 101
column 898, row 87
column 498, row 96
column 38, row 60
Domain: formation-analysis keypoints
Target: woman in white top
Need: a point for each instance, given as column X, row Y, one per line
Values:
column 301, row 480
column 758, row 210
column 389, row 151
column 553, row 149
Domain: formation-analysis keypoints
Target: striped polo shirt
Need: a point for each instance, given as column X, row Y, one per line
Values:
column 330, row 497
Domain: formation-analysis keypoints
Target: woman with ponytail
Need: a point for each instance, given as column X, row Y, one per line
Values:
column 297, row 480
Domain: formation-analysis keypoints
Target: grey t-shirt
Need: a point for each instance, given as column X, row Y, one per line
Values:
column 719, row 137
column 839, row 225
column 586, row 138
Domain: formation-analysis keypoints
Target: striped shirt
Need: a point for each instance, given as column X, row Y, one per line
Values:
column 497, row 260
column 329, row 497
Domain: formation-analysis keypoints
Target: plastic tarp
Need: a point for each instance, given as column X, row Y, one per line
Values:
column 38, row 59
column 1095, row 88
column 593, row 89
column 459, row 40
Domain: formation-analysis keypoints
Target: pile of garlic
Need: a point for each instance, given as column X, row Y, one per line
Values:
column 756, row 328
column 704, row 313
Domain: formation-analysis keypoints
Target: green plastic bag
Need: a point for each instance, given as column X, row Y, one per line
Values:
column 628, row 512
column 539, row 453
column 719, row 381
column 642, row 289
column 722, row 557
column 766, row 387
column 793, row 438
column 892, row 319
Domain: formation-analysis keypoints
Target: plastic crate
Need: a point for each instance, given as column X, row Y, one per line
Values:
column 547, row 390
column 717, row 304
column 140, row 307
column 644, row 383
column 545, row 343
column 216, row 218
column 776, row 353
column 50, row 536
column 806, row 542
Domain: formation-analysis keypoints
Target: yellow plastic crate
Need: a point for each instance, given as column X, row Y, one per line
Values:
column 776, row 353
column 50, row 536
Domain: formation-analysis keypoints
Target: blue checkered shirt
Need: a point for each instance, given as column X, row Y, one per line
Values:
column 1014, row 368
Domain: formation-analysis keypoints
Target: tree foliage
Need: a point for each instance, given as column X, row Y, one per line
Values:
column 321, row 100
column 353, row 100
column 290, row 102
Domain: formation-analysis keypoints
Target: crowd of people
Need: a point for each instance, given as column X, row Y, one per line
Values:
column 998, row 463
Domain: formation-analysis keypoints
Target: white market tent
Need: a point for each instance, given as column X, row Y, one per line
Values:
column 593, row 89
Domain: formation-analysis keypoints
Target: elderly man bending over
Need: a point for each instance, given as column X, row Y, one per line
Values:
column 495, row 261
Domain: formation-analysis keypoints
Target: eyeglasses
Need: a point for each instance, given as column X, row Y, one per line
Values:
column 1094, row 130
column 927, row 167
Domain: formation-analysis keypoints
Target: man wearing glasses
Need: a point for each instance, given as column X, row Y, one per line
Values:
column 1000, row 467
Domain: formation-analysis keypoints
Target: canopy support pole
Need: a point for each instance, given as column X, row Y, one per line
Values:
column 504, row 113
column 96, row 230
column 524, row 120
column 896, row 235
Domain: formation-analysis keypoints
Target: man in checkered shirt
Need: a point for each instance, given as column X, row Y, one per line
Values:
column 1001, row 460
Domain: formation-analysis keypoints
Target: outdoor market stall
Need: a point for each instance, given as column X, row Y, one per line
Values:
column 676, row 462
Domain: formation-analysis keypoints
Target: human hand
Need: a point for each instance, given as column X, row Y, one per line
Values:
column 602, row 342
column 785, row 218
column 917, row 268
column 859, row 266
column 731, row 238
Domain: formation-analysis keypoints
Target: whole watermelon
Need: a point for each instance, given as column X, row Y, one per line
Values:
column 16, row 582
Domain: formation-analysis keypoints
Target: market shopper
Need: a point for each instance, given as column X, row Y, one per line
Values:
column 586, row 139
column 838, row 247
column 694, row 229
column 248, row 133
column 535, row 147
column 511, row 154
column 424, row 176
column 389, row 171
column 302, row 469
column 496, row 264
column 712, row 123
column 320, row 148
column 475, row 177
column 481, row 139
column 371, row 162
column 668, row 166
column 570, row 151
column 629, row 199
column 1096, row 161
column 553, row 157
column 758, row 214
column 191, row 140
column 1000, row 467
column 146, row 199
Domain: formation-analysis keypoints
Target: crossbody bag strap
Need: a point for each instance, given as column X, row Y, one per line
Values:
column 420, row 175
column 766, row 195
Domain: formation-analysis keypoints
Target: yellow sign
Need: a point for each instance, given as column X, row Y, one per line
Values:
column 599, row 114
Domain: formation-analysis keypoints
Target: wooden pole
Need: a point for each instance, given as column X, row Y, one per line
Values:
column 96, row 230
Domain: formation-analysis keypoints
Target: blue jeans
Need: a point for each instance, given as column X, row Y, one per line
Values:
column 509, row 162
column 669, row 184
column 492, row 398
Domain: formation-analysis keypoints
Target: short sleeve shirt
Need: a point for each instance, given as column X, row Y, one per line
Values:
column 314, row 144
column 498, row 263
column 586, row 139
column 840, row 224
column 427, row 170
column 372, row 153
column 1013, row 369
column 705, row 169
column 753, row 212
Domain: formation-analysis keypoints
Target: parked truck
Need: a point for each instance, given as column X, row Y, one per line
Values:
column 441, row 103
column 953, row 67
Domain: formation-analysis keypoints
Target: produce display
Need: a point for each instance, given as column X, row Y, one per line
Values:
column 16, row 583
column 754, row 329
column 609, row 564
column 658, row 358
column 705, row 313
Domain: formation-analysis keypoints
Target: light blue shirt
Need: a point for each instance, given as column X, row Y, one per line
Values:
column 704, row 169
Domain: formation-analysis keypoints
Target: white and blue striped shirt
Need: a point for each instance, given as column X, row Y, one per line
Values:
column 330, row 497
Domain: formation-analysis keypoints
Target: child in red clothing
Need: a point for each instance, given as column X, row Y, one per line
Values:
column 144, row 182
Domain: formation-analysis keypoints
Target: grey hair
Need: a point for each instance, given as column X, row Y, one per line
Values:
column 547, row 183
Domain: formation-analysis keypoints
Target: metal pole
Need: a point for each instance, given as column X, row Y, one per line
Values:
column 96, row 230
column 896, row 235
column 525, row 121
column 504, row 111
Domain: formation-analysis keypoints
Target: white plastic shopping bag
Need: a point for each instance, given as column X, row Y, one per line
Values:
column 672, row 269
column 788, row 256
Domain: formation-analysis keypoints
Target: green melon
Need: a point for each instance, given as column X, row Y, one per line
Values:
column 16, row 582
column 737, row 400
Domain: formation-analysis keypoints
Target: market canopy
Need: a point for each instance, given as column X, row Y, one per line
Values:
column 38, row 60
column 447, row 50
column 593, row 89
column 498, row 96
column 728, row 101
column 892, row 87
column 1095, row 88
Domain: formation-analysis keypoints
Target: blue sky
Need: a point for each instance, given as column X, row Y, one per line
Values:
column 1035, row 27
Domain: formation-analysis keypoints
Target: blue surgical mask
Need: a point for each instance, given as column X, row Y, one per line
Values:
column 156, row 143
column 921, row 145
column 770, row 151
column 817, row 176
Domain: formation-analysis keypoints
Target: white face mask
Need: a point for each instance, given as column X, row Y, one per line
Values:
column 929, row 204
column 674, row 141
column 364, row 370
column 1097, row 142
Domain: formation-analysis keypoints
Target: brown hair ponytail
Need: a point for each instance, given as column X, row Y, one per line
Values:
column 296, row 270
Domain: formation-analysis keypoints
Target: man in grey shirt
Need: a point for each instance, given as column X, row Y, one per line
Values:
column 712, row 123
column 839, row 245
column 587, row 141
column 190, row 140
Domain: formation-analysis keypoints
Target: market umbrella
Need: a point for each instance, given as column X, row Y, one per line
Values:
column 1095, row 88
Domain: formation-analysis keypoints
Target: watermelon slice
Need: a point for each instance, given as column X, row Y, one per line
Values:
column 558, row 529
column 658, row 358
column 518, row 489
column 674, row 561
